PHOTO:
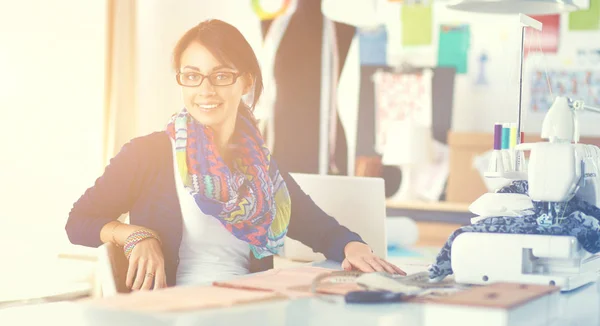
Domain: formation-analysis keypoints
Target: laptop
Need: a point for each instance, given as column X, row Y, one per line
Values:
column 358, row 203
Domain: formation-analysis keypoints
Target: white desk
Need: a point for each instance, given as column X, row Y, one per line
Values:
column 580, row 307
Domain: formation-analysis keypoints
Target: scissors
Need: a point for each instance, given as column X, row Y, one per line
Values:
column 375, row 297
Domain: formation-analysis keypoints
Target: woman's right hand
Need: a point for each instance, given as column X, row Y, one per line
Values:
column 146, row 266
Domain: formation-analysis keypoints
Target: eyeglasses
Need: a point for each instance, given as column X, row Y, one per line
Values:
column 195, row 79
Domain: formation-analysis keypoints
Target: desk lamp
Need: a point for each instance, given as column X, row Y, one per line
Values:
column 408, row 144
column 526, row 7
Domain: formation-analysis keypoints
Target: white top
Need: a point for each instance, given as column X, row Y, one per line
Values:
column 208, row 252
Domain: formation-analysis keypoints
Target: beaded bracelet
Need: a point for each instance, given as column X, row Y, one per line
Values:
column 134, row 238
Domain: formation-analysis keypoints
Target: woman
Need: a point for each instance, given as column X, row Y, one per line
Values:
column 205, row 199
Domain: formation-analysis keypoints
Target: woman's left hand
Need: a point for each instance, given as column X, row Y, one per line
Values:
column 360, row 257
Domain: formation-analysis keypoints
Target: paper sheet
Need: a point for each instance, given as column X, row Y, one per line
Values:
column 272, row 285
column 332, row 288
column 431, row 177
column 579, row 84
column 453, row 47
column 547, row 39
column 412, row 265
column 183, row 298
column 373, row 46
column 416, row 25
column 292, row 282
column 583, row 20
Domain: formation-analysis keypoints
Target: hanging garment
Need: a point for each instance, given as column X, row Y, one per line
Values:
column 401, row 97
column 264, row 110
column 298, row 71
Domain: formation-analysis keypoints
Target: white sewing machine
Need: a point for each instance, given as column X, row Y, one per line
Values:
column 558, row 170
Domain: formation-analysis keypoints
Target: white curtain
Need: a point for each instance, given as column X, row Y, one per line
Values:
column 120, row 106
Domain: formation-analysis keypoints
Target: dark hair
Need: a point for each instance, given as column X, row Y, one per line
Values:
column 228, row 45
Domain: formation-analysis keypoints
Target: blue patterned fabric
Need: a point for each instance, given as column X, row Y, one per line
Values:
column 574, row 218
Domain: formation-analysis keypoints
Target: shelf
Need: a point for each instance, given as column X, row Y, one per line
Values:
column 421, row 211
column 430, row 206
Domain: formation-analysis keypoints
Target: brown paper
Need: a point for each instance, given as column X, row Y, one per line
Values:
column 183, row 298
column 498, row 295
column 292, row 282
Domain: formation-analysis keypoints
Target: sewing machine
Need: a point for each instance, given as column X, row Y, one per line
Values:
column 557, row 170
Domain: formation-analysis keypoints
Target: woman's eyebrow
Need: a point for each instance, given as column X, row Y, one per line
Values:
column 191, row 68
column 219, row 67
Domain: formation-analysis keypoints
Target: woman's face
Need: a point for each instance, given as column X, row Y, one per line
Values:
column 213, row 106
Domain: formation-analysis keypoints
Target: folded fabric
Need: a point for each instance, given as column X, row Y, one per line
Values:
column 575, row 218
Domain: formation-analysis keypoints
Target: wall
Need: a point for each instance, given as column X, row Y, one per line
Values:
column 159, row 26
column 477, row 108
column 52, row 64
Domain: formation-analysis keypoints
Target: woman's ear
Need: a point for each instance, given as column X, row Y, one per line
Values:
column 248, row 83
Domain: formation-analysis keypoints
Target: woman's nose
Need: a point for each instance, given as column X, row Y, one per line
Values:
column 206, row 88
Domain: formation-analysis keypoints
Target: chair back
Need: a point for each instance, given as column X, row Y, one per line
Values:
column 357, row 203
column 112, row 270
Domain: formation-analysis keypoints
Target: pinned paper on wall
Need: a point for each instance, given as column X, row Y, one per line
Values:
column 416, row 24
column 453, row 47
column 584, row 20
column 578, row 84
column 482, row 75
column 401, row 97
column 588, row 57
column 373, row 46
column 547, row 39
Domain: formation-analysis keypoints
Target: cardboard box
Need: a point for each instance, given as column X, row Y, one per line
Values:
column 464, row 181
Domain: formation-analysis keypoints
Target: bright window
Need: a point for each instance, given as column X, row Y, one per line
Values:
column 52, row 72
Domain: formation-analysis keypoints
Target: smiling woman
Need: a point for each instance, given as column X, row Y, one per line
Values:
column 218, row 53
column 206, row 199
column 215, row 102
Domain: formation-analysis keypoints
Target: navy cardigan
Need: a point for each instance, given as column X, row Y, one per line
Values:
column 140, row 181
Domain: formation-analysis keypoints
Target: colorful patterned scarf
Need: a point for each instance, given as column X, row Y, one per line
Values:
column 250, row 200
